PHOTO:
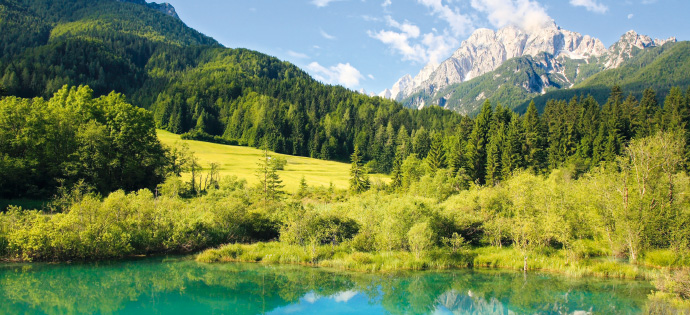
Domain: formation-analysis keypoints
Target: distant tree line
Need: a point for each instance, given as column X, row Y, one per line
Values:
column 580, row 133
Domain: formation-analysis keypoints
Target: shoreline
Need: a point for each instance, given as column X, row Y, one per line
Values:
column 487, row 258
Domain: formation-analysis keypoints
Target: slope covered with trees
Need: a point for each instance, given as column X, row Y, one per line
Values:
column 192, row 84
column 659, row 68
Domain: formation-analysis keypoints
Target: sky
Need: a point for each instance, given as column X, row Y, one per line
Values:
column 370, row 44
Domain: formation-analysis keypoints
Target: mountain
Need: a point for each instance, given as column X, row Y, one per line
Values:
column 511, row 65
column 629, row 45
column 659, row 68
column 191, row 83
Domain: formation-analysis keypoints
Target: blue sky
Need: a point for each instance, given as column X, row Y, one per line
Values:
column 370, row 44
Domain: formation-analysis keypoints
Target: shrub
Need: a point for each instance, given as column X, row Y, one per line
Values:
column 420, row 238
column 661, row 258
column 306, row 227
column 583, row 249
column 676, row 283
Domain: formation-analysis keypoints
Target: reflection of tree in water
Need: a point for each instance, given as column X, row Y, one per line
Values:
column 515, row 293
column 159, row 285
column 464, row 303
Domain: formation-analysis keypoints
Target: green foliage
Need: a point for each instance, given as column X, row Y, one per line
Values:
column 673, row 295
column 106, row 142
column 124, row 224
column 359, row 181
column 421, row 238
column 270, row 183
column 182, row 77
column 304, row 227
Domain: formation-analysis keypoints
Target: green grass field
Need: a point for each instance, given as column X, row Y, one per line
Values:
column 243, row 163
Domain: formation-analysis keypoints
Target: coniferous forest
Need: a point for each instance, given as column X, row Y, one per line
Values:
column 85, row 84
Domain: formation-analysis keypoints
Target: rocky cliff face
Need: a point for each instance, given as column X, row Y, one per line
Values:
column 485, row 50
column 628, row 45
column 560, row 53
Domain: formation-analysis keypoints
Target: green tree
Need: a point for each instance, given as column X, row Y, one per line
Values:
column 513, row 157
column 269, row 180
column 436, row 158
column 396, row 175
column 421, row 143
column 476, row 146
column 647, row 193
column 420, row 238
column 494, row 154
column 645, row 123
column 303, row 188
column 535, row 155
column 359, row 180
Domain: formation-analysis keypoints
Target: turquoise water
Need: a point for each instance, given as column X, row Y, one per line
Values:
column 183, row 286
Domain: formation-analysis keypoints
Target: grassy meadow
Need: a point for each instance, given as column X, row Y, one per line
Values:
column 243, row 163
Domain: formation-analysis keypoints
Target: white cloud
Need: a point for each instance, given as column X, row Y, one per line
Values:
column 327, row 36
column 460, row 24
column 630, row 16
column 526, row 14
column 295, row 54
column 322, row 3
column 311, row 297
column 400, row 42
column 438, row 46
column 412, row 45
column 408, row 28
column 649, row 1
column 590, row 5
column 344, row 297
column 386, row 3
column 343, row 74
column 371, row 76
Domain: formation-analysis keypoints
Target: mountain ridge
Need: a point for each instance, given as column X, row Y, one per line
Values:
column 561, row 58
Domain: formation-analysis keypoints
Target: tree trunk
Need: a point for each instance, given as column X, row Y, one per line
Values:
column 525, row 266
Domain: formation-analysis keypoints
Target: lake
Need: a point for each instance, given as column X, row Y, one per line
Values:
column 179, row 285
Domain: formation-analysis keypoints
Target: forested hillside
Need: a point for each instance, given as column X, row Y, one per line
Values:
column 196, row 87
column 191, row 83
column 659, row 68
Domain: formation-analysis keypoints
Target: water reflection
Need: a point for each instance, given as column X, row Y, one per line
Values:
column 181, row 285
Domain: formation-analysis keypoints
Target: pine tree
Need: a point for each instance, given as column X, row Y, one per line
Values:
column 303, row 187
column 512, row 157
column 476, row 146
column 494, row 167
column 534, row 139
column 269, row 180
column 676, row 114
column 611, row 139
column 359, row 180
column 402, row 140
column 645, row 124
column 436, row 159
column 588, row 128
column 397, row 168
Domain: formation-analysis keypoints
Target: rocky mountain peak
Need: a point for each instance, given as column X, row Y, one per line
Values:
column 403, row 84
column 627, row 45
column 485, row 50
